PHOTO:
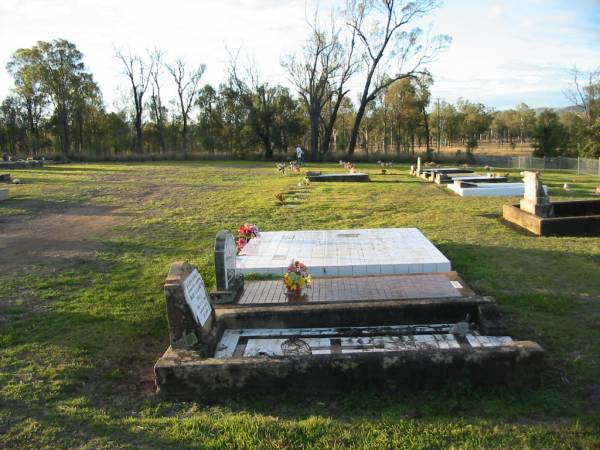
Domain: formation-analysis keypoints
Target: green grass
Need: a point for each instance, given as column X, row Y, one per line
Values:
column 79, row 336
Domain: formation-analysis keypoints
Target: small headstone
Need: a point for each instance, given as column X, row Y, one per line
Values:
column 419, row 165
column 3, row 194
column 536, row 200
column 189, row 312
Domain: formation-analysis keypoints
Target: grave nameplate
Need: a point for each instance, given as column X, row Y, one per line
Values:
column 196, row 297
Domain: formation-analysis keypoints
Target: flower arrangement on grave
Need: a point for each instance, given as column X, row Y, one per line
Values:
column 304, row 183
column 281, row 197
column 296, row 278
column 245, row 233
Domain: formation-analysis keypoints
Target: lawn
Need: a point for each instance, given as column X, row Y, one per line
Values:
column 82, row 313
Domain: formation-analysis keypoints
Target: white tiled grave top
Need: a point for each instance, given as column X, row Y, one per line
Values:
column 358, row 252
column 489, row 189
column 325, row 341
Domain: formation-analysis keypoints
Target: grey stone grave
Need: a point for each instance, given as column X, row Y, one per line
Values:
column 189, row 312
column 537, row 214
column 386, row 345
column 535, row 200
column 3, row 194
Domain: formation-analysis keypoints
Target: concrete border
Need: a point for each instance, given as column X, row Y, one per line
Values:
column 183, row 374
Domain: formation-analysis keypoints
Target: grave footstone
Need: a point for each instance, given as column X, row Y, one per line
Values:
column 229, row 282
column 190, row 315
column 535, row 200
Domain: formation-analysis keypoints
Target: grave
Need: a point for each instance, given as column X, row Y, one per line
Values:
column 537, row 214
column 357, row 252
column 469, row 189
column 5, row 177
column 338, row 177
column 445, row 178
column 408, row 345
column 3, row 194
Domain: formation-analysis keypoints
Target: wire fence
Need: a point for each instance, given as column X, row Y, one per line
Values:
column 583, row 166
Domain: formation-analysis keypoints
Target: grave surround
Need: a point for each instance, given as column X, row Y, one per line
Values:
column 335, row 348
column 358, row 252
column 339, row 177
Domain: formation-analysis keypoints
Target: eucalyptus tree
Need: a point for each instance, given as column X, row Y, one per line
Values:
column 24, row 68
column 56, row 69
column 11, row 124
column 138, row 70
column 320, row 74
column 258, row 98
column 158, row 111
column 187, row 81
column 585, row 96
column 391, row 50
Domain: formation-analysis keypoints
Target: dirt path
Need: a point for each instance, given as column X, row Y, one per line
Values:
column 54, row 233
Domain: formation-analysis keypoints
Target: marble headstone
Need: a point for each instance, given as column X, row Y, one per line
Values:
column 225, row 257
column 535, row 200
column 229, row 281
column 190, row 314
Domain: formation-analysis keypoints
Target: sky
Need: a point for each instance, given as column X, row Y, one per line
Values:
column 502, row 52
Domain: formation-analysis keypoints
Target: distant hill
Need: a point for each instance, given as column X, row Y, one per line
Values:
column 560, row 110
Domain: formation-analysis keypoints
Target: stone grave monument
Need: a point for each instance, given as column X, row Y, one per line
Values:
column 229, row 282
column 537, row 214
column 386, row 345
column 3, row 194
column 189, row 312
column 535, row 200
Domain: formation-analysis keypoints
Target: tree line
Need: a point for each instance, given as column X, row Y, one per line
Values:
column 56, row 106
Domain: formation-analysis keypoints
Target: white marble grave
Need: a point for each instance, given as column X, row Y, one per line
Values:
column 358, row 252
column 325, row 341
column 487, row 189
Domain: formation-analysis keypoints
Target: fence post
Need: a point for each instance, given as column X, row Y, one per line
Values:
column 578, row 165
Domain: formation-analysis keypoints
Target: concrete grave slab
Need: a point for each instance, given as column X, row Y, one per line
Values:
column 339, row 177
column 468, row 189
column 441, row 178
column 357, row 252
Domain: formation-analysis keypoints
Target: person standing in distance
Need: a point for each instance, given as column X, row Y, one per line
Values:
column 299, row 154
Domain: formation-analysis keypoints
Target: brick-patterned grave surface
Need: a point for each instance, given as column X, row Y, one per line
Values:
column 393, row 287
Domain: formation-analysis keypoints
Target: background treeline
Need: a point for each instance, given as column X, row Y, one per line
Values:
column 56, row 108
